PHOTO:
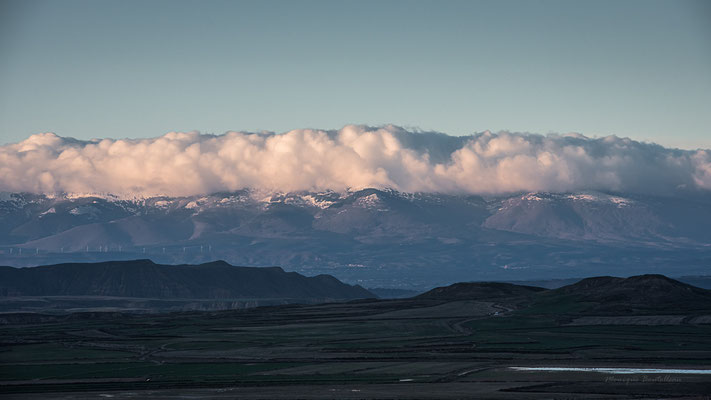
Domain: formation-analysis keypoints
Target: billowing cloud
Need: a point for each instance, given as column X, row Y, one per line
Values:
column 353, row 157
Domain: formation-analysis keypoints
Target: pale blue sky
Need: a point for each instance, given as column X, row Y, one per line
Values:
column 92, row 69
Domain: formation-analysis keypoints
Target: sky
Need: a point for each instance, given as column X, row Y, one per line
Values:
column 140, row 69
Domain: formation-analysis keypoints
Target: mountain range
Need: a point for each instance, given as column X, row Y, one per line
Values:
column 378, row 238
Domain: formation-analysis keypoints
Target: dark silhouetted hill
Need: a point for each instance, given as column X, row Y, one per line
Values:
column 145, row 279
column 642, row 293
column 605, row 295
column 479, row 291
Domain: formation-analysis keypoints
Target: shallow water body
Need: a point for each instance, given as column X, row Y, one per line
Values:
column 617, row 370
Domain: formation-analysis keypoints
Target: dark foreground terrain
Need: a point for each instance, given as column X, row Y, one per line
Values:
column 455, row 342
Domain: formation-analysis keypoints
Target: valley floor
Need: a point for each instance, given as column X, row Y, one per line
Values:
column 395, row 349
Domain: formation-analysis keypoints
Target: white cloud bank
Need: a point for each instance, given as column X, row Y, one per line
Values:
column 353, row 157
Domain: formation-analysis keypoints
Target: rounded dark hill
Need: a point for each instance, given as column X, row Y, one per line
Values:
column 648, row 293
column 145, row 279
column 479, row 291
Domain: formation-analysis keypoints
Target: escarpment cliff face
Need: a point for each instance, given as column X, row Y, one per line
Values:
column 145, row 279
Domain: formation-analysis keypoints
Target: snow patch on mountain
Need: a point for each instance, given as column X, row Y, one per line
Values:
column 320, row 200
column 371, row 201
column 7, row 196
column 135, row 197
column 534, row 197
column 50, row 211
column 601, row 198
column 311, row 200
column 233, row 200
column 85, row 210
column 12, row 201
column 162, row 204
column 621, row 202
